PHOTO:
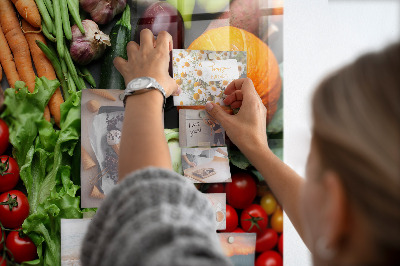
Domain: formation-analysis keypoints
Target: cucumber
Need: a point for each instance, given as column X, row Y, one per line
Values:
column 120, row 35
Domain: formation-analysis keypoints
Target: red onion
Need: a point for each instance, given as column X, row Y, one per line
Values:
column 103, row 11
column 89, row 46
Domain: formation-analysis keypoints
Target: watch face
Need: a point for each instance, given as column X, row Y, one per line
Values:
column 140, row 83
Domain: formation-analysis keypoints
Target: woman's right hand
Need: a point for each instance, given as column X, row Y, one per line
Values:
column 246, row 129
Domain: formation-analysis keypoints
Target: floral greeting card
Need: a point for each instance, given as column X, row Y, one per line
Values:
column 204, row 75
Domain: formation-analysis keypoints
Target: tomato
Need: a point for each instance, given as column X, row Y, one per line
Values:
column 268, row 202
column 269, row 258
column 238, row 230
column 231, row 219
column 9, row 173
column 266, row 240
column 277, row 220
column 14, row 208
column 216, row 188
column 22, row 248
column 280, row 244
column 4, row 134
column 254, row 219
column 3, row 262
column 241, row 192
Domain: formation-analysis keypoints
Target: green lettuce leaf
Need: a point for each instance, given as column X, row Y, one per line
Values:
column 45, row 156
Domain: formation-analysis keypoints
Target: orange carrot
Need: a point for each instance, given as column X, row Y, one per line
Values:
column 16, row 40
column 7, row 61
column 43, row 67
column 46, row 114
column 1, row 72
column 29, row 11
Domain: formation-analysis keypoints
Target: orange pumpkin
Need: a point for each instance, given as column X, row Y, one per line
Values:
column 262, row 67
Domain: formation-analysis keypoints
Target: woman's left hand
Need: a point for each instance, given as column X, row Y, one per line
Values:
column 150, row 59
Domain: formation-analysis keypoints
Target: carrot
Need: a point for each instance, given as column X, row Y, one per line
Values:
column 16, row 40
column 7, row 60
column 43, row 66
column 1, row 72
column 29, row 11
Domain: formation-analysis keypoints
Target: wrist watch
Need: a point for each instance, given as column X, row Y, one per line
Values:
column 141, row 85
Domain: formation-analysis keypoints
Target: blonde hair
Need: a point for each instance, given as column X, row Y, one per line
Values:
column 356, row 130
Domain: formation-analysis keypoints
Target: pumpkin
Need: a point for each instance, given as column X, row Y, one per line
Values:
column 262, row 66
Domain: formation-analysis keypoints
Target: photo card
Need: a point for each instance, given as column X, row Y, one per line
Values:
column 206, row 165
column 240, row 248
column 72, row 233
column 198, row 129
column 203, row 75
column 218, row 201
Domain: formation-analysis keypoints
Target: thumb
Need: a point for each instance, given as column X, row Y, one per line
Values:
column 218, row 113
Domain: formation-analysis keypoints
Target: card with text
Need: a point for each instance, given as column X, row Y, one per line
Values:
column 203, row 75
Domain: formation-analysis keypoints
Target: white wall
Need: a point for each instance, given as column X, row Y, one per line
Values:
column 320, row 36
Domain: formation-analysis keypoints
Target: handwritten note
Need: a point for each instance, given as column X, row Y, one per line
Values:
column 219, row 70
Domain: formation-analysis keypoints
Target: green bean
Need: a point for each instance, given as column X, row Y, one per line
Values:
column 49, row 6
column 84, row 72
column 65, row 19
column 83, row 82
column 59, row 30
column 45, row 15
column 74, row 10
column 57, row 66
column 72, row 69
column 71, row 83
column 46, row 33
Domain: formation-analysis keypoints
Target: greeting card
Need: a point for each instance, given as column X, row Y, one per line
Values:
column 203, row 75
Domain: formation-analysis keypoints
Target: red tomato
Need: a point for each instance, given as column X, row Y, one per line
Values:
column 269, row 258
column 4, row 134
column 14, row 208
column 238, row 230
column 266, row 240
column 241, row 192
column 216, row 188
column 268, row 202
column 280, row 244
column 231, row 219
column 277, row 220
column 9, row 173
column 254, row 219
column 3, row 262
column 22, row 248
column 1, row 241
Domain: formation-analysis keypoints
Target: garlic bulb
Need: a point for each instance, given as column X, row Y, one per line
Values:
column 103, row 11
column 89, row 46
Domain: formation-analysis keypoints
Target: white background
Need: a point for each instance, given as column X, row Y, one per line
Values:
column 320, row 36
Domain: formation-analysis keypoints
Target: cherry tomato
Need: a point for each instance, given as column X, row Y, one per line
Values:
column 269, row 258
column 9, row 173
column 22, row 248
column 231, row 219
column 262, row 189
column 277, row 220
column 268, row 202
column 241, row 192
column 1, row 241
column 216, row 188
column 254, row 219
column 238, row 230
column 280, row 244
column 266, row 240
column 4, row 135
column 3, row 262
column 14, row 208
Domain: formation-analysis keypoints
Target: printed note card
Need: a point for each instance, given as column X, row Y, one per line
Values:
column 204, row 75
column 198, row 129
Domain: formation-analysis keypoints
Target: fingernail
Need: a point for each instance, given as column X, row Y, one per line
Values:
column 209, row 106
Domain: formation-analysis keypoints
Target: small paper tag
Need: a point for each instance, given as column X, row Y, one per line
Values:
column 217, row 70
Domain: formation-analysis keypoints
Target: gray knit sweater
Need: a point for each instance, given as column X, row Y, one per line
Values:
column 154, row 217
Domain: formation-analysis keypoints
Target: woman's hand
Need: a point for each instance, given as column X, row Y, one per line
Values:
column 150, row 59
column 247, row 129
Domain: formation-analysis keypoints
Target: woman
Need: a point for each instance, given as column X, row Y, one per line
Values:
column 347, row 210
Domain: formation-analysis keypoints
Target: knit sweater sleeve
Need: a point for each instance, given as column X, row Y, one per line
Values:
column 154, row 217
